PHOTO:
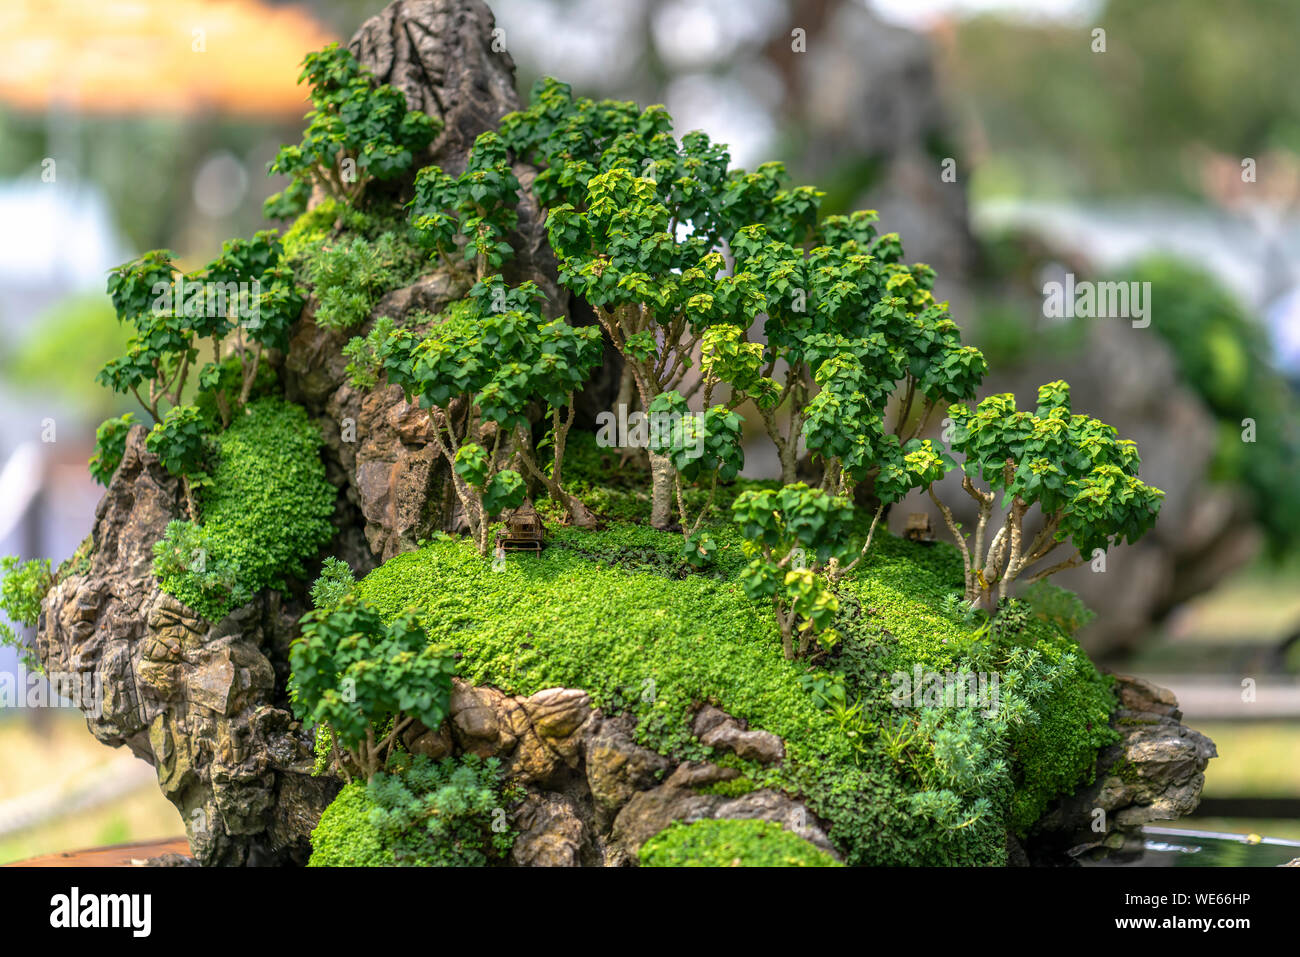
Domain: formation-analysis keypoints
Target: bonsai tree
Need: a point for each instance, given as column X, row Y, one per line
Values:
column 702, row 449
column 246, row 295
column 162, row 349
column 255, row 264
column 182, row 444
column 794, row 537
column 478, row 205
column 357, row 131
column 1082, row 478
column 367, row 681
column 478, row 371
column 638, row 221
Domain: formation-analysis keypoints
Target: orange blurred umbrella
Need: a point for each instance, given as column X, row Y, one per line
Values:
column 155, row 56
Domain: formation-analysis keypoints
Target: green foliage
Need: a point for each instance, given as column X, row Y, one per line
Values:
column 23, row 586
column 792, row 535
column 680, row 637
column 246, row 296
column 496, row 350
column 350, row 276
column 110, row 446
column 181, row 441
column 265, row 513
column 1073, row 467
column 345, row 836
column 190, row 564
column 356, row 131
column 478, row 205
column 312, row 228
column 352, row 671
column 448, row 813
column 1056, row 707
column 335, row 581
column 1058, row 606
column 731, row 843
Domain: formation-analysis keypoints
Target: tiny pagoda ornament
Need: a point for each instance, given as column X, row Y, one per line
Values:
column 523, row 530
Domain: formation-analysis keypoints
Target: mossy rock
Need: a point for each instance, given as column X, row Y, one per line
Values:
column 615, row 613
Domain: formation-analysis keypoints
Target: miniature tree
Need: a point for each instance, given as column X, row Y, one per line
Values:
column 478, row 371
column 794, row 537
column 853, row 305
column 276, row 302
column 479, row 205
column 182, row 444
column 1073, row 467
column 367, row 681
column 247, row 291
column 160, row 352
column 357, row 131
column 703, row 448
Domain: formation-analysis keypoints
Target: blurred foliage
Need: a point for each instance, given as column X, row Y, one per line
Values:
column 71, row 341
column 1176, row 74
column 1225, row 357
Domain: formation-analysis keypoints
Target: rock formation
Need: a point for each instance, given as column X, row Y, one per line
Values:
column 1155, row 773
column 204, row 703
column 594, row 794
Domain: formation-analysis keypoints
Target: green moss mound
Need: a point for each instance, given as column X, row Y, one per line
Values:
column 266, row 512
column 731, row 844
column 345, row 837
column 616, row 613
column 425, row 813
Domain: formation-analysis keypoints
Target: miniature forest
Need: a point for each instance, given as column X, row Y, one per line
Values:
column 431, row 542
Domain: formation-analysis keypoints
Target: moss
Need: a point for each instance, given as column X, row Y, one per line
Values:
column 266, row 512
column 733, row 788
column 345, row 836
column 1126, row 771
column 727, row 843
column 423, row 813
column 310, row 228
column 615, row 613
column 1057, row 753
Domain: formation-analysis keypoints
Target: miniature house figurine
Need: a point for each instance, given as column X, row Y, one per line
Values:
column 918, row 527
column 524, row 531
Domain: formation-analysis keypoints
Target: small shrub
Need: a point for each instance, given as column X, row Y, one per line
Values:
column 335, row 581
column 449, row 813
column 353, row 672
column 350, row 277
column 24, row 586
column 110, row 446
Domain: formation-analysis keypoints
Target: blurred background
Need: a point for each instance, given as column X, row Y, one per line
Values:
column 1008, row 141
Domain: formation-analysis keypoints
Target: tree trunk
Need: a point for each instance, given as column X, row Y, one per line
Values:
column 662, row 478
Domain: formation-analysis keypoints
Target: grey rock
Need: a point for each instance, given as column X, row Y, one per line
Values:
column 1155, row 773
column 203, row 703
